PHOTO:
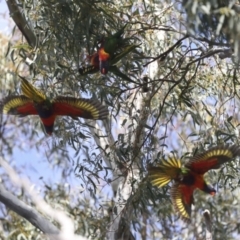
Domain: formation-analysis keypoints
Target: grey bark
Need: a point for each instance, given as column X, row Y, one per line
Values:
column 27, row 212
column 208, row 221
column 21, row 22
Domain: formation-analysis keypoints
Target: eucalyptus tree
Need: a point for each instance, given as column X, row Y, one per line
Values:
column 174, row 93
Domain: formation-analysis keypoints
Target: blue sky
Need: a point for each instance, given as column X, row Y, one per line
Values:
column 4, row 28
column 31, row 163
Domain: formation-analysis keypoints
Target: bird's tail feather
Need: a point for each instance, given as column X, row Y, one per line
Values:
column 31, row 92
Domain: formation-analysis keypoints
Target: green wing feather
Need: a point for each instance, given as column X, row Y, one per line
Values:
column 164, row 172
column 118, row 56
column 119, row 33
column 110, row 43
column 114, row 69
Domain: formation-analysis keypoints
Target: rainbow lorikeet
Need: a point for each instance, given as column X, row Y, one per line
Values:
column 95, row 63
column 104, row 58
column 93, row 67
column 191, row 176
column 108, row 46
column 100, row 59
column 35, row 102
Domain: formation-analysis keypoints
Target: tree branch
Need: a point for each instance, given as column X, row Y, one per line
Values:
column 27, row 212
column 67, row 225
column 21, row 22
column 162, row 56
column 208, row 221
column 121, row 218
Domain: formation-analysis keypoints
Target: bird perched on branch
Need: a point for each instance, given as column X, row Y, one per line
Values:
column 108, row 46
column 35, row 102
column 95, row 63
column 191, row 176
column 110, row 50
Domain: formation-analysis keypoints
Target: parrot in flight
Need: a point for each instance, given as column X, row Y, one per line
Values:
column 35, row 102
column 190, row 177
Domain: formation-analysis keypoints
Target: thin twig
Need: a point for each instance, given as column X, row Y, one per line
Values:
column 164, row 55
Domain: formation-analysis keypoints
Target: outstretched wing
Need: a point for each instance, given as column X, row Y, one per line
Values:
column 111, row 42
column 31, row 92
column 93, row 68
column 164, row 172
column 88, row 70
column 121, row 54
column 18, row 105
column 182, row 200
column 213, row 158
column 79, row 107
